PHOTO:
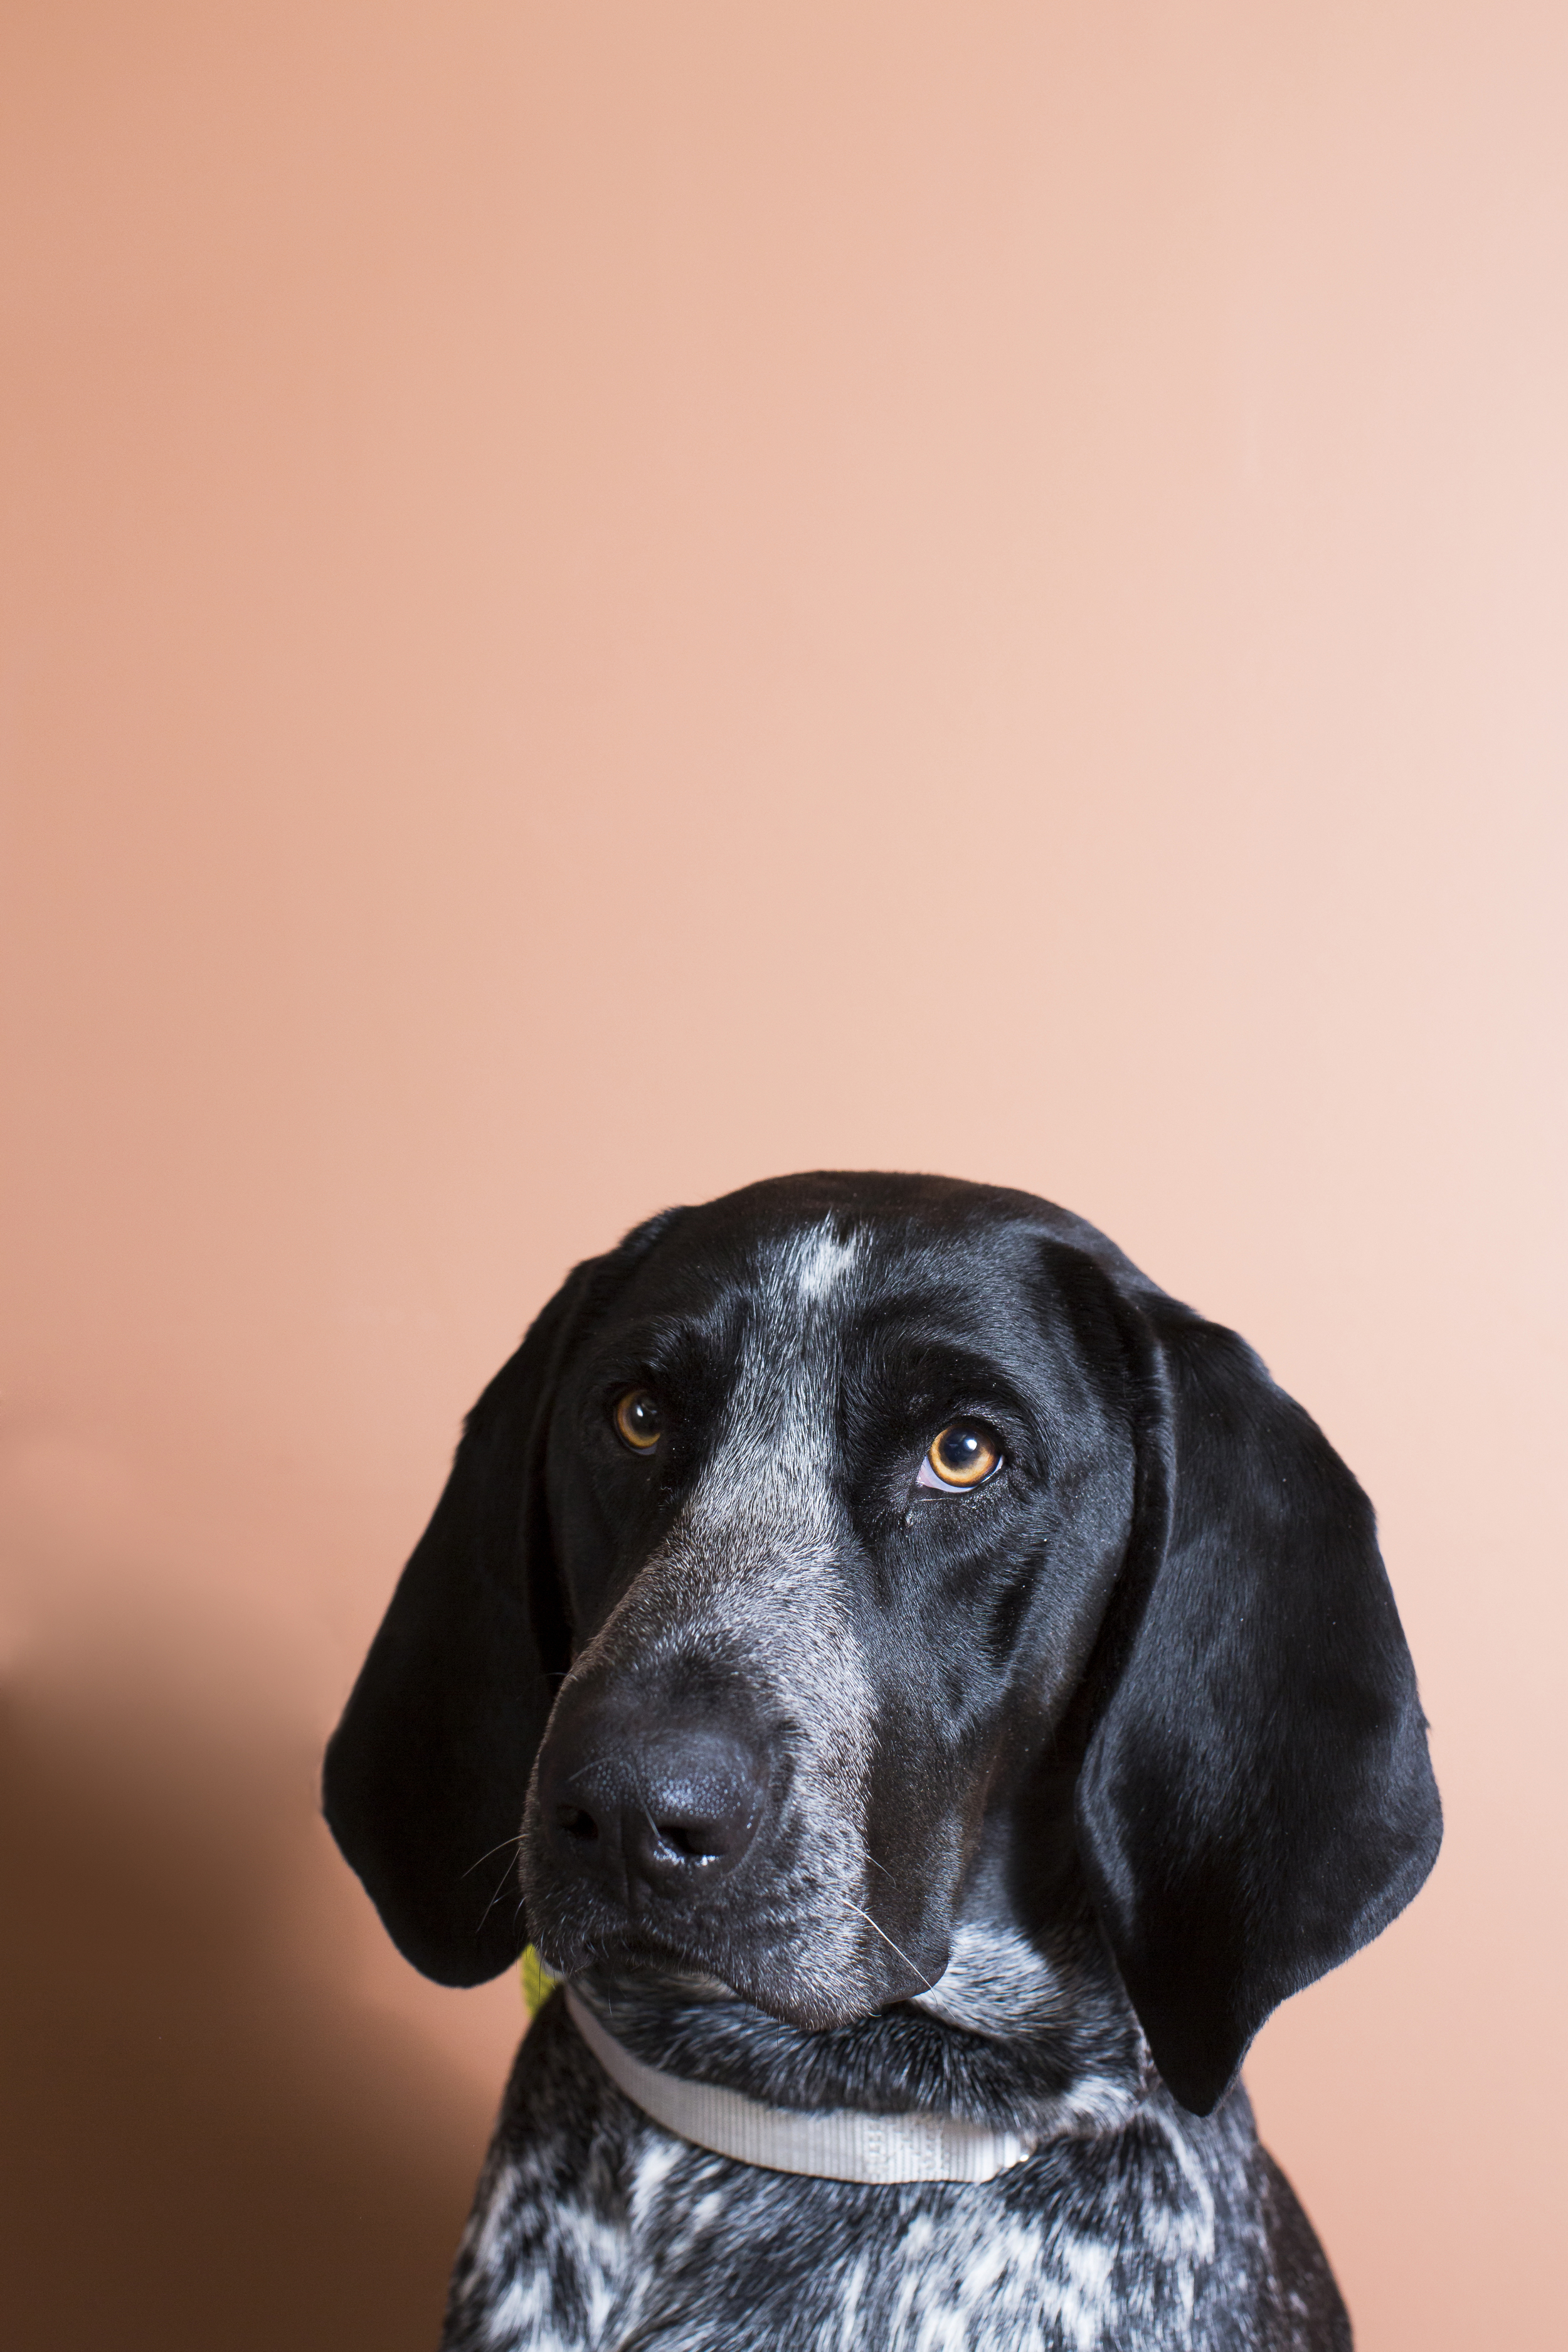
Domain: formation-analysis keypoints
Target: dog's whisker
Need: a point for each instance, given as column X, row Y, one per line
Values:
column 495, row 1898
column 926, row 1982
column 514, row 1841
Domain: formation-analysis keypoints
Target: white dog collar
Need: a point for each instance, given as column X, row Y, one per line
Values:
column 831, row 2144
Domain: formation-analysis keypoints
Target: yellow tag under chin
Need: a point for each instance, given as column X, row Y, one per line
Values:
column 538, row 1984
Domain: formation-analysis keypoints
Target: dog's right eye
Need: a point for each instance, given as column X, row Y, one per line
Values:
column 638, row 1420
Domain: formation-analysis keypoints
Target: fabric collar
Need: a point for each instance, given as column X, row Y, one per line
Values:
column 830, row 2144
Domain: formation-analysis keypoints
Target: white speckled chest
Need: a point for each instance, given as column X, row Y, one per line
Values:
column 595, row 2229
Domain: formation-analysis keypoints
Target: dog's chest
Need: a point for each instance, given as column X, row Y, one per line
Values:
column 595, row 2231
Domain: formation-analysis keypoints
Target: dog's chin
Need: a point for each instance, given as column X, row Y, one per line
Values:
column 780, row 1983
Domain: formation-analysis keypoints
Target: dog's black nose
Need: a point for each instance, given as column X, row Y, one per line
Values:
column 667, row 1810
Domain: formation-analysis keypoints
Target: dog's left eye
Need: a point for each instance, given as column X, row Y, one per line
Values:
column 637, row 1420
column 965, row 1453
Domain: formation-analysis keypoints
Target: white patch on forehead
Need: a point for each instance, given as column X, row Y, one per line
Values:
column 821, row 1260
column 774, row 1455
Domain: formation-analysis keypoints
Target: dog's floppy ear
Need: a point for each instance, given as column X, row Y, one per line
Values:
column 1256, row 1802
column 426, row 1773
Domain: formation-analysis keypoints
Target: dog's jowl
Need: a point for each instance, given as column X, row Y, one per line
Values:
column 928, row 1695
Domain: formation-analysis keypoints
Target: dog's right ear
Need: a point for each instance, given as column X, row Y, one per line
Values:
column 426, row 1773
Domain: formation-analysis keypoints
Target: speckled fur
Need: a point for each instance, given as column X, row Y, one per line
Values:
column 1134, row 2223
column 1042, row 1795
column 745, row 1581
column 593, row 2228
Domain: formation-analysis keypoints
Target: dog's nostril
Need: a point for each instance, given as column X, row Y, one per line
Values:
column 576, row 1823
column 693, row 1841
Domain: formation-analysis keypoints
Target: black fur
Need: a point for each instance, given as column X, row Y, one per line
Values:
column 1069, row 1779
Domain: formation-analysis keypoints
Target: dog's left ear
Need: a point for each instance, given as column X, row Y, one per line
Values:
column 426, row 1775
column 1256, row 1802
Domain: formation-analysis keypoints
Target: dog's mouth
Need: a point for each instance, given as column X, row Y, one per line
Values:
column 669, row 1973
column 568, row 1950
column 786, row 1975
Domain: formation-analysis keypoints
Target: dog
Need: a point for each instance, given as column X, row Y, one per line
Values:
column 929, row 1696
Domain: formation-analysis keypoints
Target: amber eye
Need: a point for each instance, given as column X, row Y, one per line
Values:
column 637, row 1419
column 965, row 1453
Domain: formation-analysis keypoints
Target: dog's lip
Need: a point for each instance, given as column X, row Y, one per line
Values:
column 636, row 1953
column 683, row 1971
column 683, row 1975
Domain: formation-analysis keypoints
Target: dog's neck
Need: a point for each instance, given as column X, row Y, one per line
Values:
column 834, row 2143
column 1025, row 2032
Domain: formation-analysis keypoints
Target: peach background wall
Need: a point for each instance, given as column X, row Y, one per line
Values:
column 599, row 600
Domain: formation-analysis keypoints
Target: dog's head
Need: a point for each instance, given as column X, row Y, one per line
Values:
column 811, row 1534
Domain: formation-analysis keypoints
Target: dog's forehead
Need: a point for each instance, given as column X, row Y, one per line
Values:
column 805, row 1268
column 813, row 1282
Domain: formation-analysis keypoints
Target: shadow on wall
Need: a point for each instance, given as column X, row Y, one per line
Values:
column 213, row 2146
